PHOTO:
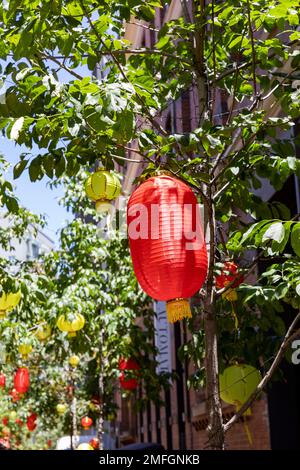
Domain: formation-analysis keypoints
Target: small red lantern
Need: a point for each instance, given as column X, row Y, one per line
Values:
column 166, row 241
column 5, row 421
column 128, row 365
column 94, row 443
column 49, row 443
column 86, row 422
column 14, row 395
column 19, row 422
column 21, row 380
column 31, row 422
column 228, row 275
column 2, row 380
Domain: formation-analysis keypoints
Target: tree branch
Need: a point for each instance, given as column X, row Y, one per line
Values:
column 61, row 65
column 119, row 66
column 289, row 337
column 252, row 48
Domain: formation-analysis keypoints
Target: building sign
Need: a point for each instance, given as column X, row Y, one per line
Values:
column 162, row 338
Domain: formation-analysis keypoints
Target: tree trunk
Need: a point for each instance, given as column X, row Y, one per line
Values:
column 74, row 422
column 101, row 392
column 215, row 427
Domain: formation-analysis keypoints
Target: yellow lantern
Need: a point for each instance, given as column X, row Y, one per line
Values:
column 102, row 187
column 12, row 415
column 43, row 332
column 85, row 446
column 61, row 408
column 9, row 302
column 74, row 361
column 24, row 350
column 237, row 383
column 71, row 326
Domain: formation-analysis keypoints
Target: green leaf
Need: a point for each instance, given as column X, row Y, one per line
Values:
column 274, row 232
column 295, row 239
column 19, row 168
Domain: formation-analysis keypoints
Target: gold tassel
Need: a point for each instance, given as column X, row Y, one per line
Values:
column 230, row 295
column 246, row 427
column 178, row 309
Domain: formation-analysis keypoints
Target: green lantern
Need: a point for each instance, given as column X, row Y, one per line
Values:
column 237, row 383
column 102, row 187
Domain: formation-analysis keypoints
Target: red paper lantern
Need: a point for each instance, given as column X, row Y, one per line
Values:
column 31, row 422
column 94, row 443
column 128, row 365
column 14, row 395
column 5, row 421
column 166, row 242
column 19, row 422
column 21, row 380
column 228, row 275
column 2, row 380
column 86, row 422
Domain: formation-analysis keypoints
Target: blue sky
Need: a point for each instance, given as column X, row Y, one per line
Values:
column 37, row 197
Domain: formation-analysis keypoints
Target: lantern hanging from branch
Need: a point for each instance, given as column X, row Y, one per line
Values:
column 8, row 302
column 61, row 408
column 102, row 187
column 21, row 380
column 71, row 323
column 2, row 380
column 25, row 349
column 84, row 446
column 5, row 421
column 43, row 332
column 228, row 275
column 74, row 361
column 86, row 422
column 166, row 241
column 237, row 383
column 94, row 443
column 14, row 395
column 125, row 366
column 31, row 422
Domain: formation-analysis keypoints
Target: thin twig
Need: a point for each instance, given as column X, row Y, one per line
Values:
column 252, row 48
column 61, row 65
column 289, row 337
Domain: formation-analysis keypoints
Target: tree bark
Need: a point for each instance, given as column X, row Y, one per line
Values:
column 215, row 427
column 101, row 392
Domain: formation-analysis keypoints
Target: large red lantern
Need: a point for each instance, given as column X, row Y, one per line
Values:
column 166, row 242
column 2, row 380
column 31, row 422
column 21, row 380
column 86, row 422
column 124, row 366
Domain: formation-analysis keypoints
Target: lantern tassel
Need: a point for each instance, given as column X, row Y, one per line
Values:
column 246, row 427
column 236, row 321
column 248, row 434
column 178, row 309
